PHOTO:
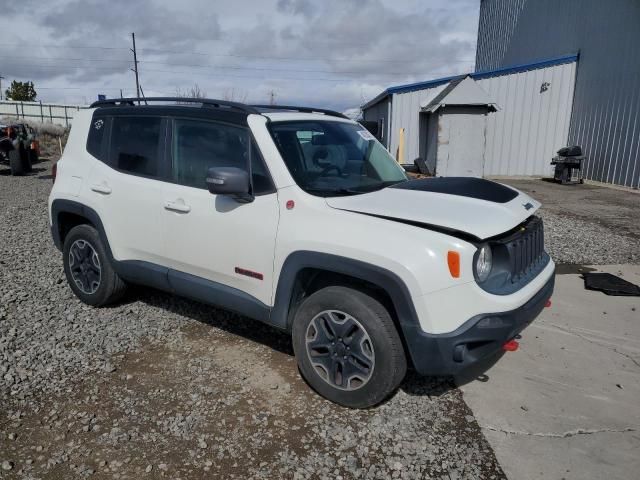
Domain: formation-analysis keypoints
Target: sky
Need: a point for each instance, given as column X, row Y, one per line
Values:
column 324, row 53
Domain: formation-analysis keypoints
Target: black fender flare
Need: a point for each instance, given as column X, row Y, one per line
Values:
column 382, row 278
column 60, row 205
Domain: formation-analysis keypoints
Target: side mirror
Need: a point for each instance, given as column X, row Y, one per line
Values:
column 231, row 181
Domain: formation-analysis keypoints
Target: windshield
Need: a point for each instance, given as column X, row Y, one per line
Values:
column 329, row 158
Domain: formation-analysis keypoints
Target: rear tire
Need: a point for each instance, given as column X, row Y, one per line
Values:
column 347, row 347
column 33, row 156
column 88, row 269
column 26, row 160
column 15, row 163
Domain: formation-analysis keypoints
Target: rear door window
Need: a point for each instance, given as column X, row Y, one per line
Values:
column 135, row 145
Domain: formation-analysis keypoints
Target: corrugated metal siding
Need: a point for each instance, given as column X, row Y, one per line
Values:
column 405, row 113
column 377, row 112
column 498, row 20
column 607, row 93
column 530, row 125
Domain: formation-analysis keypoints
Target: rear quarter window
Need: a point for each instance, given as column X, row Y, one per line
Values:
column 96, row 136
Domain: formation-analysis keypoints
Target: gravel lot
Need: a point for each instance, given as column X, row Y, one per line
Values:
column 587, row 224
column 165, row 387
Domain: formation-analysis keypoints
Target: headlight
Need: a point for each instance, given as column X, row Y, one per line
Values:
column 484, row 262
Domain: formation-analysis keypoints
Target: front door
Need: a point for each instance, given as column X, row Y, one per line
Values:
column 214, row 237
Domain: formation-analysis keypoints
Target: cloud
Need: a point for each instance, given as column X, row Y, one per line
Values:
column 333, row 53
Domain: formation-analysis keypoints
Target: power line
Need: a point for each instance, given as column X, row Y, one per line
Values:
column 256, row 57
column 115, row 69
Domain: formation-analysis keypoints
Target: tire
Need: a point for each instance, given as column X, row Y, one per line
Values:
column 33, row 156
column 15, row 163
column 326, row 316
column 88, row 269
column 26, row 160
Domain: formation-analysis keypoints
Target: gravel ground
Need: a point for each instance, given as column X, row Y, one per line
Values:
column 572, row 240
column 587, row 224
column 165, row 387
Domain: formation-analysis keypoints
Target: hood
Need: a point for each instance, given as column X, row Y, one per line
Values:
column 471, row 206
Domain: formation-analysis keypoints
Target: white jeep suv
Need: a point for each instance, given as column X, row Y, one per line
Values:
column 299, row 218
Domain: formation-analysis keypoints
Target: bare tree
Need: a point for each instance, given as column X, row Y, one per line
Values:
column 193, row 92
column 233, row 95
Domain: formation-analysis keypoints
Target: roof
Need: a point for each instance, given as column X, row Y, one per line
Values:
column 475, row 75
column 461, row 91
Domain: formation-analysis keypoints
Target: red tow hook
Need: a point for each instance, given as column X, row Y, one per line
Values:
column 548, row 304
column 510, row 346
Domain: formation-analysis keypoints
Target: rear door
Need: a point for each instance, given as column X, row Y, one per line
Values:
column 213, row 236
column 127, row 187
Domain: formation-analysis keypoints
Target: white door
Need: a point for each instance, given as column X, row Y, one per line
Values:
column 213, row 236
column 461, row 143
column 127, row 193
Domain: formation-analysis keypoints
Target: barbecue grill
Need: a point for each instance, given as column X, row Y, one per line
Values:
column 568, row 165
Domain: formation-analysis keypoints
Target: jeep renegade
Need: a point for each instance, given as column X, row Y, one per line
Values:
column 301, row 219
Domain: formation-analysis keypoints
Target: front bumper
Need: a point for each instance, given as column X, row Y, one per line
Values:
column 478, row 338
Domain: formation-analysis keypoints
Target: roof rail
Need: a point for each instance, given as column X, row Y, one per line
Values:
column 330, row 113
column 241, row 107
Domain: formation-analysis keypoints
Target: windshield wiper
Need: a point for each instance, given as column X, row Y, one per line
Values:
column 334, row 191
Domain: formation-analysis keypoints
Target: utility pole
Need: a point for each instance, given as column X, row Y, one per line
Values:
column 1, row 78
column 135, row 64
column 272, row 98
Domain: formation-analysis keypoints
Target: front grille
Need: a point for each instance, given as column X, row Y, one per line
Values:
column 526, row 249
column 518, row 257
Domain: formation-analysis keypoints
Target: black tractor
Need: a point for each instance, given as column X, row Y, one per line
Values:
column 19, row 148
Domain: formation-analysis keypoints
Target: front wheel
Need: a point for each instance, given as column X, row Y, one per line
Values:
column 15, row 163
column 347, row 347
column 88, row 269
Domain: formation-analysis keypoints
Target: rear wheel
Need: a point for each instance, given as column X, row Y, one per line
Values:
column 15, row 163
column 347, row 347
column 26, row 160
column 33, row 156
column 88, row 269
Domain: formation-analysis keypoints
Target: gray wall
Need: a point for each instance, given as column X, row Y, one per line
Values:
column 378, row 112
column 607, row 93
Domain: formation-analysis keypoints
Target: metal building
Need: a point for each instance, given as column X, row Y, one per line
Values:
column 606, row 105
column 533, row 103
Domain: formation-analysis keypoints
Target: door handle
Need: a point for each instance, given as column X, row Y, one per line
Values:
column 101, row 188
column 176, row 206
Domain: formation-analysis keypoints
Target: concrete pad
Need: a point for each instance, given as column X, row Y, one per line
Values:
column 567, row 404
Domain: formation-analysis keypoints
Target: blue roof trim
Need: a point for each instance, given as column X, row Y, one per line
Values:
column 421, row 85
column 526, row 66
column 476, row 75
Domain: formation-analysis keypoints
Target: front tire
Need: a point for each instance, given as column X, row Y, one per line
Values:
column 15, row 163
column 347, row 347
column 88, row 269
